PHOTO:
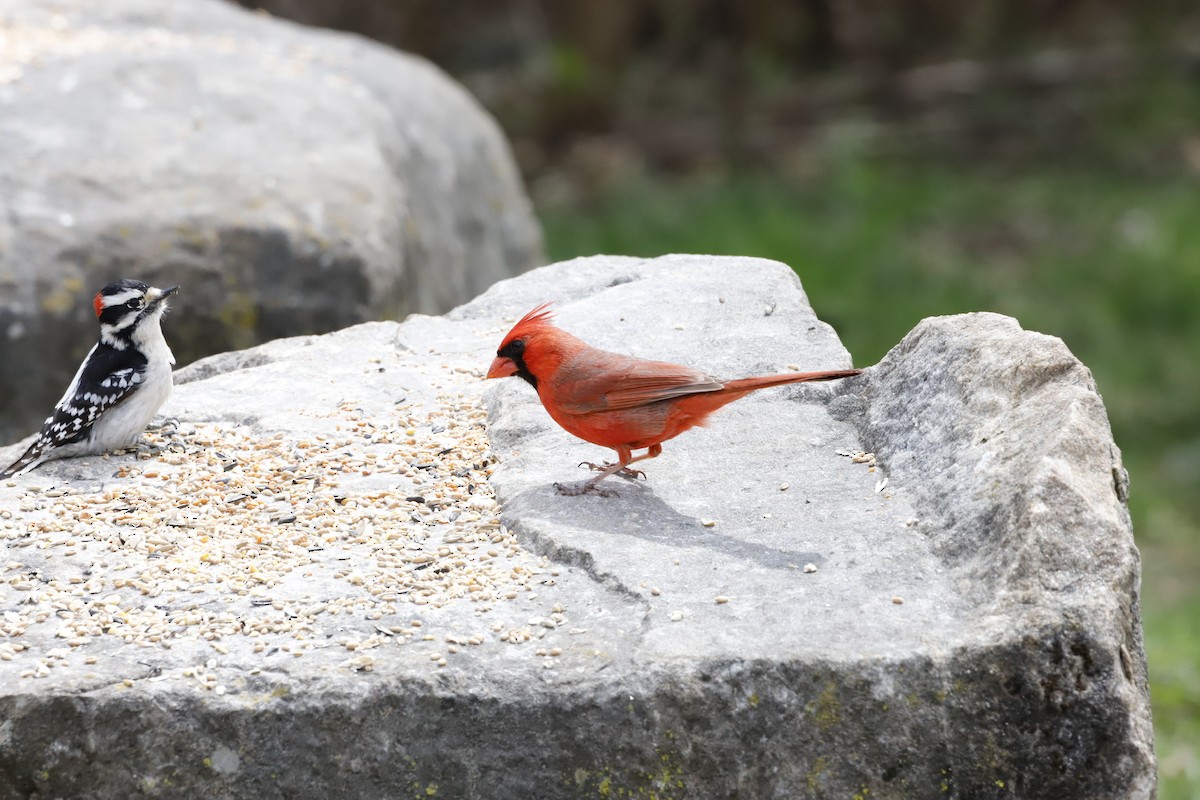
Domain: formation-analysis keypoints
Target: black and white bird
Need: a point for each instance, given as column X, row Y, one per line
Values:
column 119, row 387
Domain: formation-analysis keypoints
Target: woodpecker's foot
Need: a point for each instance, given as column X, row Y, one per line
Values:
column 146, row 451
column 584, row 487
column 166, row 431
column 164, row 426
column 624, row 472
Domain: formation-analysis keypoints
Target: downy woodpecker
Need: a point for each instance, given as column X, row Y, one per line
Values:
column 118, row 388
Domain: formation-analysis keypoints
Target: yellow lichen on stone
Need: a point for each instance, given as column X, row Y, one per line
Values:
column 826, row 709
column 819, row 767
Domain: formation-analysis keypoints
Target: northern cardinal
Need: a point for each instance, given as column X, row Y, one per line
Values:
column 615, row 400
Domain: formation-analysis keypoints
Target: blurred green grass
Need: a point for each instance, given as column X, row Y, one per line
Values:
column 1108, row 262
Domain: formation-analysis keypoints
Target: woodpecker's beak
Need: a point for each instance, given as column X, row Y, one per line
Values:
column 156, row 296
column 501, row 368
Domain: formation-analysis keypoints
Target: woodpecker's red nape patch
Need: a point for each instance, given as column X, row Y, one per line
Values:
column 98, row 303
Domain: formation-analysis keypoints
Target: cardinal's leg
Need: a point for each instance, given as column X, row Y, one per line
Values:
column 621, row 467
column 654, row 451
column 615, row 469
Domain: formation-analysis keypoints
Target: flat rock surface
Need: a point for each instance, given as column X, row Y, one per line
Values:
column 739, row 509
column 919, row 582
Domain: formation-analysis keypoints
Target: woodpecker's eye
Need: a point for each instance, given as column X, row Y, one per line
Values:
column 134, row 304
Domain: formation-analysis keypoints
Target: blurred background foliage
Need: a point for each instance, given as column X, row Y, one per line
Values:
column 1039, row 158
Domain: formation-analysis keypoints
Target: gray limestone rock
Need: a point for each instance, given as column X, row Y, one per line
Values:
column 920, row 582
column 293, row 180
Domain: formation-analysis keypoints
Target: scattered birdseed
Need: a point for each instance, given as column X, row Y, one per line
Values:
column 898, row 600
column 232, row 514
column 720, row 599
column 859, row 457
column 708, row 523
column 810, row 567
column 360, row 663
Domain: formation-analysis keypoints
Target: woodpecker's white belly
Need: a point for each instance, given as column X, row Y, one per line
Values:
column 122, row 425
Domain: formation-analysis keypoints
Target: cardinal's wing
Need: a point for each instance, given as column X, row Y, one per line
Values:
column 610, row 382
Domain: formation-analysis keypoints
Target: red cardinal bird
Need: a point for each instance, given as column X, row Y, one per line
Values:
column 615, row 400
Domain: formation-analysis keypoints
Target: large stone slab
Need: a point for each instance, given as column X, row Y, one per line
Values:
column 293, row 180
column 920, row 582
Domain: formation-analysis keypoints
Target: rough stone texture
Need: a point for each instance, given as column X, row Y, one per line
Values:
column 293, row 180
column 1012, row 665
column 1002, row 439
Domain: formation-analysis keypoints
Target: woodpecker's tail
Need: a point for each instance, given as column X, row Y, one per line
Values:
column 30, row 459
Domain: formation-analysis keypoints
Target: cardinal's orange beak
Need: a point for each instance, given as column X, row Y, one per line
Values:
column 502, row 367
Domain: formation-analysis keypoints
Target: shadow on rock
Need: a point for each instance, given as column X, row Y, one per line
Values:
column 636, row 511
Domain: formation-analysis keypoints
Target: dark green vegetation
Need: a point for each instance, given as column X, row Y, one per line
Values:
column 1110, row 263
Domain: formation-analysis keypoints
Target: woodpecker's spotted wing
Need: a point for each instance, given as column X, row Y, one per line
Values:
column 113, row 374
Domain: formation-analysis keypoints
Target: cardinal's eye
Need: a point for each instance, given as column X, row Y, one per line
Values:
column 512, row 350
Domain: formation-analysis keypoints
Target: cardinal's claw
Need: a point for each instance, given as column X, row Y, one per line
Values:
column 624, row 472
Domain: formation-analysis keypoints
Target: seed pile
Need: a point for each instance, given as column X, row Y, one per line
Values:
column 374, row 522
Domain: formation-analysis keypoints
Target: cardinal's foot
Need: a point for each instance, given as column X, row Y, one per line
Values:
column 583, row 487
column 624, row 472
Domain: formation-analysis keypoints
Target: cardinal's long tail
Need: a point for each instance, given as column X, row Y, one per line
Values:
column 693, row 409
column 744, row 385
